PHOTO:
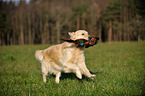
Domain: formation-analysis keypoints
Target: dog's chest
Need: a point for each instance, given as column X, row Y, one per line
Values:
column 73, row 54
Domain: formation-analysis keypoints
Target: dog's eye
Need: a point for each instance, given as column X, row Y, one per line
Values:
column 83, row 34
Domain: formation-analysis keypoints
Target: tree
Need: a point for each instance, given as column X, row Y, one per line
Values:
column 47, row 21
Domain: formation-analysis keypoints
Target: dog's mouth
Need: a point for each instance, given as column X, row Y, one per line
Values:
column 90, row 37
column 84, row 38
column 83, row 42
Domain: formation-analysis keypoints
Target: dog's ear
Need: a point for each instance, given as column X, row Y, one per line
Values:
column 71, row 33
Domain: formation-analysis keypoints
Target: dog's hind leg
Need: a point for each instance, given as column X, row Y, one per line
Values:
column 44, row 78
column 58, row 74
column 45, row 70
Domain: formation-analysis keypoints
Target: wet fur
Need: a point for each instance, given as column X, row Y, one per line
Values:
column 64, row 57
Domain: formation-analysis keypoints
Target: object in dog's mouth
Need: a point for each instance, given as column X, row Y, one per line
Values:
column 84, row 43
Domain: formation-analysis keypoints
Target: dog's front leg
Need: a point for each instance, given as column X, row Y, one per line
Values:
column 78, row 73
column 74, row 68
column 83, row 68
column 85, row 71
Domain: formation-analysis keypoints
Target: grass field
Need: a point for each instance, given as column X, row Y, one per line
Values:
column 119, row 69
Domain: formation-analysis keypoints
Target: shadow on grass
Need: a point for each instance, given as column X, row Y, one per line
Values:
column 73, row 76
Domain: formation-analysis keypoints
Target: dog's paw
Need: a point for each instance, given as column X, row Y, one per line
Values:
column 44, row 80
column 79, row 75
column 57, row 81
column 93, row 75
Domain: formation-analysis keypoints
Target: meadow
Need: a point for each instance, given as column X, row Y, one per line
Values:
column 119, row 69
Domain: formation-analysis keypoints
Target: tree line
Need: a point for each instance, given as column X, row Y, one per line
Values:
column 47, row 21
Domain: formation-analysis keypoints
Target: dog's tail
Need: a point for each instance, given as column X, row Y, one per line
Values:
column 39, row 55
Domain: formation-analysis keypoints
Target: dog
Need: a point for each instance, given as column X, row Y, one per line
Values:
column 64, row 57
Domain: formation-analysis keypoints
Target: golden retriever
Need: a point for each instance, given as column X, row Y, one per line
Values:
column 64, row 57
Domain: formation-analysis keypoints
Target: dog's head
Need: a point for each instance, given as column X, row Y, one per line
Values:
column 80, row 34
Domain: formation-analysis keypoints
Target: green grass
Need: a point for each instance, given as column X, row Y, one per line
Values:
column 119, row 69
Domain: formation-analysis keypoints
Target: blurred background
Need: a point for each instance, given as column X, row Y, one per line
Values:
column 47, row 21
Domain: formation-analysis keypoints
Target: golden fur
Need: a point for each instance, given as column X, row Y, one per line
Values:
column 64, row 57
